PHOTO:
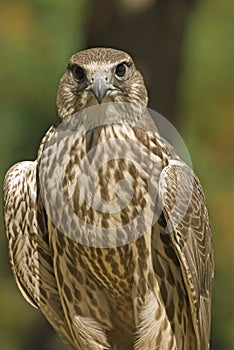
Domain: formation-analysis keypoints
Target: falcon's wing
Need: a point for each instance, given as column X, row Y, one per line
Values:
column 184, row 208
column 30, row 254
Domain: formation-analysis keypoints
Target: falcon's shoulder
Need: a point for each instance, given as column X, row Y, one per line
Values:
column 19, row 204
column 187, row 223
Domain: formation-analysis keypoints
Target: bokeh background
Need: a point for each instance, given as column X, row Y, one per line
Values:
column 185, row 49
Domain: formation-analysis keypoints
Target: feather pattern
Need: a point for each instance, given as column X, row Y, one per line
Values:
column 108, row 229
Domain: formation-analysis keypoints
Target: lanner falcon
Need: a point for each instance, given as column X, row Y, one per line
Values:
column 108, row 229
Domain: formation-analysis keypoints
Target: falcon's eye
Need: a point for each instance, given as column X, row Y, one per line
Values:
column 120, row 70
column 78, row 73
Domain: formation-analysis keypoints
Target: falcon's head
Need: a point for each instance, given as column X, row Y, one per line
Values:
column 99, row 75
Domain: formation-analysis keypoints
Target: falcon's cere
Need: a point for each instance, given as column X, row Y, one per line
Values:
column 143, row 288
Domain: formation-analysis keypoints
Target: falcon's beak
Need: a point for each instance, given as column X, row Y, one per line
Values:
column 100, row 87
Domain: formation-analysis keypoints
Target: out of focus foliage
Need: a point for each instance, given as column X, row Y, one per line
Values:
column 36, row 38
column 207, row 125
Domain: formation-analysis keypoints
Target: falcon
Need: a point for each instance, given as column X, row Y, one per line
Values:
column 108, row 229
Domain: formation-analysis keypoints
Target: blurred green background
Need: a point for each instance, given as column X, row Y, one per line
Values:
column 191, row 79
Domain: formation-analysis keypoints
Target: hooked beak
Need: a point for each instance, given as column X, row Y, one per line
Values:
column 100, row 87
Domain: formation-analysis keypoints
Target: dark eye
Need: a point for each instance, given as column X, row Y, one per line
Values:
column 78, row 73
column 120, row 70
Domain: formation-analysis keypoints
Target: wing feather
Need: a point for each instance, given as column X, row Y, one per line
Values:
column 184, row 208
column 29, row 251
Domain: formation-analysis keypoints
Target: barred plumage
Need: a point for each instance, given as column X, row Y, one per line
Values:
column 119, row 259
